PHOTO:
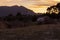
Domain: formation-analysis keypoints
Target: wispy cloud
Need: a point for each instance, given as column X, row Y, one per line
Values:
column 31, row 4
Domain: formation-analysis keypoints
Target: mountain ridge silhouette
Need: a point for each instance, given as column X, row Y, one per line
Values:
column 5, row 10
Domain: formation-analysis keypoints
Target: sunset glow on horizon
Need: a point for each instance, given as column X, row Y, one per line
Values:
column 38, row 6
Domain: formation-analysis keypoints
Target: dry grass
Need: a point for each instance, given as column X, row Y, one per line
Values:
column 35, row 32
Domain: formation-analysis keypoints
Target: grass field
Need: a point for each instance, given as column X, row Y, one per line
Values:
column 35, row 32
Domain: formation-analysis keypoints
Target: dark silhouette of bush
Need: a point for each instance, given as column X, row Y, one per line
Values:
column 10, row 17
column 19, row 16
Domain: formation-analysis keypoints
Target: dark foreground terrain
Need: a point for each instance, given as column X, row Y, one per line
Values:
column 35, row 32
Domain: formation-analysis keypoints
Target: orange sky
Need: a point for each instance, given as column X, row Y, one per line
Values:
column 35, row 5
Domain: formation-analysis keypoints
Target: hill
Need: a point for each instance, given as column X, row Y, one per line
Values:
column 5, row 10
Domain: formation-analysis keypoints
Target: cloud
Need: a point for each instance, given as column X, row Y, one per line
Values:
column 57, row 0
column 29, row 2
column 44, row 3
column 35, row 5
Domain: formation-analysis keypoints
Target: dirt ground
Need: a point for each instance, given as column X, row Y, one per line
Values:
column 35, row 32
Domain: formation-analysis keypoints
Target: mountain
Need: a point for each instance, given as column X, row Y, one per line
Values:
column 5, row 10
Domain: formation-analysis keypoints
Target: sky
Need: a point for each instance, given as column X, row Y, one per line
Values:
column 38, row 6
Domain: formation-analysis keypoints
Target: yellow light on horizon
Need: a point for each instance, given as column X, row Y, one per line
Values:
column 57, row 0
column 38, row 9
column 38, row 6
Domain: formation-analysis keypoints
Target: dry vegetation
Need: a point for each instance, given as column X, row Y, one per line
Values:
column 35, row 32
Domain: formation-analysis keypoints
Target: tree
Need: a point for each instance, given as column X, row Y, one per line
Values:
column 48, row 10
column 19, row 16
column 58, row 6
column 9, row 17
column 52, row 9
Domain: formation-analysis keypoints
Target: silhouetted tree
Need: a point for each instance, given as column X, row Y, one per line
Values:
column 54, row 11
column 19, row 16
column 34, row 18
column 9, row 17
column 58, row 6
column 48, row 10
